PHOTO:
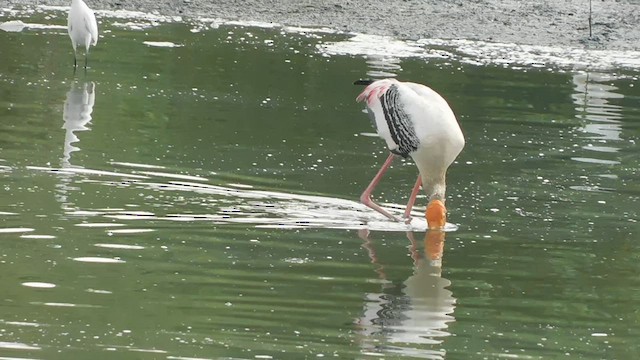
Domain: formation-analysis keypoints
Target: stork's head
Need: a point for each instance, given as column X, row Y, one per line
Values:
column 436, row 215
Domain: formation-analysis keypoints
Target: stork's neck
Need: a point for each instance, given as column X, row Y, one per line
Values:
column 434, row 186
column 432, row 165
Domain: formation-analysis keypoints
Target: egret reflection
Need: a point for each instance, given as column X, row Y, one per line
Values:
column 76, row 115
column 410, row 318
column 78, row 107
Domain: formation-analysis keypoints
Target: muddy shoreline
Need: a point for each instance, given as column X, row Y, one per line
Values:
column 615, row 23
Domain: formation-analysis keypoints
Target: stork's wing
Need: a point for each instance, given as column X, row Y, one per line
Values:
column 399, row 121
column 387, row 105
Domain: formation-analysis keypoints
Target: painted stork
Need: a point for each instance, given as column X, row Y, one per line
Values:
column 82, row 28
column 415, row 122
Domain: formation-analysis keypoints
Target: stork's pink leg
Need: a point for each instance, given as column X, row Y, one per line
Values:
column 412, row 199
column 365, row 198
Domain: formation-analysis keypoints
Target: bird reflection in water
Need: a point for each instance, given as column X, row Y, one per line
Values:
column 77, row 110
column 76, row 115
column 597, row 106
column 410, row 318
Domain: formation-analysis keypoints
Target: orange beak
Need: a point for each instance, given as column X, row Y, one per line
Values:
column 436, row 215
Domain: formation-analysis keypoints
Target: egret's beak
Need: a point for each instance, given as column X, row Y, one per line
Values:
column 436, row 215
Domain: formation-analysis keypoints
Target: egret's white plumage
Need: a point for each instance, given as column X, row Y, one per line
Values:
column 415, row 122
column 82, row 27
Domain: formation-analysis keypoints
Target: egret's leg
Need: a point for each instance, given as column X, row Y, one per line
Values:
column 365, row 198
column 412, row 199
column 75, row 62
column 86, row 58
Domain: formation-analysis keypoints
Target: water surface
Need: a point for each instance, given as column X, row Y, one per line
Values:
column 194, row 194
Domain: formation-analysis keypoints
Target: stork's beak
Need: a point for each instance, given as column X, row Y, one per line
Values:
column 436, row 215
column 434, row 245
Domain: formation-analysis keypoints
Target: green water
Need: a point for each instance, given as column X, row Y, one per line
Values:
column 201, row 201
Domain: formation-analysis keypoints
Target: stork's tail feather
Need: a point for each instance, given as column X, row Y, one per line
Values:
column 363, row 82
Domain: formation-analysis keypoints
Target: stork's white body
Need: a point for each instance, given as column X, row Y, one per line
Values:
column 416, row 121
column 82, row 27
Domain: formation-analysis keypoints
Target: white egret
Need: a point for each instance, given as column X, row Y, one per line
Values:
column 415, row 122
column 82, row 27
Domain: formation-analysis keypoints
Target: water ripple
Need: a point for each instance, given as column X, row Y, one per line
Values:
column 39, row 285
column 120, row 246
column 18, row 346
column 98, row 260
column 15, row 230
column 233, row 204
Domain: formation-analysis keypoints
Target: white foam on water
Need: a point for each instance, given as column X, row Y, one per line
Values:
column 377, row 45
column 12, row 26
column 120, row 246
column 100, row 225
column 101, row 260
column 537, row 55
column 272, row 209
column 484, row 53
column 130, row 231
column 40, row 285
column 36, row 236
column 23, row 323
column 73, row 170
column 96, row 291
column 167, row 44
column 15, row 230
column 69, row 305
column 152, row 351
column 137, row 165
column 174, row 176
column 259, row 24
column 17, row 346
column 19, row 25
column 239, row 204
